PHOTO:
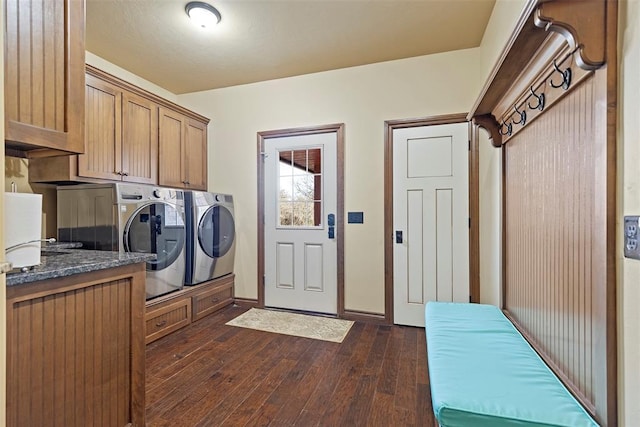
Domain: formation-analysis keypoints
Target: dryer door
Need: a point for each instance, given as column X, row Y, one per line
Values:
column 156, row 228
column 216, row 231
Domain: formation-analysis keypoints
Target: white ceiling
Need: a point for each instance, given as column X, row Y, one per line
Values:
column 267, row 39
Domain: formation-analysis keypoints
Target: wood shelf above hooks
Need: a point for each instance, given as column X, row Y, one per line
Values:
column 543, row 25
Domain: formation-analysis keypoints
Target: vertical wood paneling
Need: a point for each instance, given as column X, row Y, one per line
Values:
column 102, row 159
column 554, row 235
column 12, row 74
column 140, row 139
column 55, row 341
column 196, row 155
column 37, row 62
column 171, row 141
column 24, row 61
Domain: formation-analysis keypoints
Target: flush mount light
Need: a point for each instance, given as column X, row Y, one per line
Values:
column 203, row 14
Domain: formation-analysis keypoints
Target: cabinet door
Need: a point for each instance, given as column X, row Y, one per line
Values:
column 103, row 158
column 172, row 138
column 139, row 140
column 44, row 74
column 195, row 155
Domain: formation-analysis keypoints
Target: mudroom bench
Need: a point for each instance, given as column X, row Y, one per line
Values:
column 482, row 372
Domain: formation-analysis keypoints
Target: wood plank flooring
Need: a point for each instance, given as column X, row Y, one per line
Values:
column 211, row 374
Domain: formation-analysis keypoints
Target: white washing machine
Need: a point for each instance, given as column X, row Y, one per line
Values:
column 128, row 217
column 210, row 225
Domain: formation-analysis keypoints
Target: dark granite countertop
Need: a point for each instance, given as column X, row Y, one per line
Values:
column 66, row 262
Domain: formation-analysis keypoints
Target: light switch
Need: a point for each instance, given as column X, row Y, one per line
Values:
column 632, row 237
column 355, row 217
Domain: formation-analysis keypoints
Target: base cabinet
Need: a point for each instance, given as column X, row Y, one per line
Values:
column 174, row 311
column 75, row 350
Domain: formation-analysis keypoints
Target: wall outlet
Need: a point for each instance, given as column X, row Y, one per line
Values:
column 632, row 237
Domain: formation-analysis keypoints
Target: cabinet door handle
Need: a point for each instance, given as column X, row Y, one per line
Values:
column 215, row 299
column 119, row 173
column 125, row 173
column 161, row 323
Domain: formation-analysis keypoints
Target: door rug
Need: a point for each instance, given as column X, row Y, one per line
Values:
column 299, row 325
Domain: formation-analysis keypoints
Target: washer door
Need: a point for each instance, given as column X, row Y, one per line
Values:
column 216, row 231
column 156, row 228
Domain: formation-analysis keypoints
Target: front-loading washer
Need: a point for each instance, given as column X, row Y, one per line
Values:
column 210, row 226
column 152, row 221
column 127, row 217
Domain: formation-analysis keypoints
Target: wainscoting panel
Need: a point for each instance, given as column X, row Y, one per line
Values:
column 555, row 239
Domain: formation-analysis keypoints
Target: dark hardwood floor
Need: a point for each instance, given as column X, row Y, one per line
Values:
column 211, row 374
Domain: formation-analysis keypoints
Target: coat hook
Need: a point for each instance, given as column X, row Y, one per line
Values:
column 566, row 77
column 540, row 99
column 523, row 116
column 509, row 130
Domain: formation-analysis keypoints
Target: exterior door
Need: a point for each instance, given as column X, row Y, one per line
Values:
column 300, row 203
column 430, row 215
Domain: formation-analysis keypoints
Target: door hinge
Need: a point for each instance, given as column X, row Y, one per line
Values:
column 469, row 222
column 469, row 145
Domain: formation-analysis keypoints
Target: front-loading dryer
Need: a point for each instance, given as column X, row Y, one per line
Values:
column 210, row 226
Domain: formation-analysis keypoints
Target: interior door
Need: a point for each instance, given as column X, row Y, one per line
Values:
column 300, row 252
column 430, row 215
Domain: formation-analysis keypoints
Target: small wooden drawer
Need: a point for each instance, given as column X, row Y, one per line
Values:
column 212, row 299
column 167, row 318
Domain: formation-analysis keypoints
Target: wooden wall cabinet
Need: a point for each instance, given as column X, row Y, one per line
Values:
column 44, row 76
column 185, row 139
column 121, row 135
column 132, row 136
column 75, row 350
column 174, row 311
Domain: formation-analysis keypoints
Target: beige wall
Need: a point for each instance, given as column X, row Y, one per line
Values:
column 629, row 204
column 503, row 20
column 490, row 177
column 125, row 75
column 362, row 98
column 501, row 24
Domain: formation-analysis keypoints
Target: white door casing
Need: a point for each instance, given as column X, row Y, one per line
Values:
column 431, row 211
column 300, row 192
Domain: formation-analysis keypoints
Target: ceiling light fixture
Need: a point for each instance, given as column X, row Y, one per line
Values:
column 203, row 14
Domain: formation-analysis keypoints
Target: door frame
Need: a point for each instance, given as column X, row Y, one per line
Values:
column 338, row 128
column 474, row 207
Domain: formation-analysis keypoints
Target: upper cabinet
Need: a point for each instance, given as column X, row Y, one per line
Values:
column 134, row 136
column 44, row 76
column 184, row 139
column 121, row 135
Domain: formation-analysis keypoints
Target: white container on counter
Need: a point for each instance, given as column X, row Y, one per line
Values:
column 22, row 228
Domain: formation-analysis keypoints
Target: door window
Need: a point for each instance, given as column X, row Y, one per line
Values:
column 300, row 188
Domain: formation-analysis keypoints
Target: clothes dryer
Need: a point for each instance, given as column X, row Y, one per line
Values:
column 210, row 225
column 127, row 217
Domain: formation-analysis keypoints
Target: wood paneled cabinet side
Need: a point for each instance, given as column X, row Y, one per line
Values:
column 44, row 76
column 75, row 350
column 183, row 151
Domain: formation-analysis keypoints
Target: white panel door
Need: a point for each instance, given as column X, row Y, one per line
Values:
column 430, row 214
column 300, row 252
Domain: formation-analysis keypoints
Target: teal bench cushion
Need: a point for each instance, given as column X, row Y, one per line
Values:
column 482, row 372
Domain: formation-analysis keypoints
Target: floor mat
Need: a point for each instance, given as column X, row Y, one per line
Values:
column 300, row 325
